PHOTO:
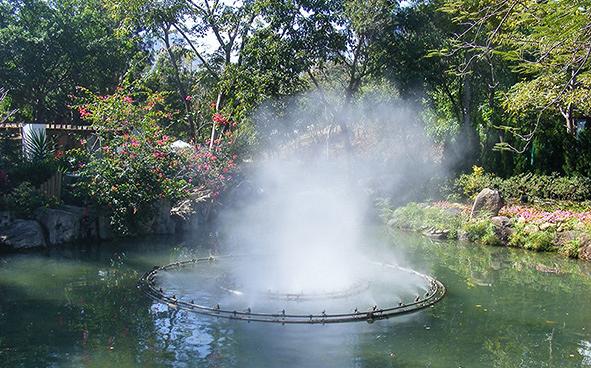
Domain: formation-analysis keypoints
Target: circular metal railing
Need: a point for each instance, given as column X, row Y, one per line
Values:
column 435, row 292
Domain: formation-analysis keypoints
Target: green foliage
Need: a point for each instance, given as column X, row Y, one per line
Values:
column 49, row 47
column 37, row 146
column 533, row 186
column 529, row 236
column 481, row 231
column 544, row 43
column 471, row 184
column 418, row 217
column 135, row 166
column 35, row 166
column 25, row 198
column 571, row 248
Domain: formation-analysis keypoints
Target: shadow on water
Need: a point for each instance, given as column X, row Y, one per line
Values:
column 79, row 306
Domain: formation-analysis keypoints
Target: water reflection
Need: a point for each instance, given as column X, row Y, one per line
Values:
column 79, row 306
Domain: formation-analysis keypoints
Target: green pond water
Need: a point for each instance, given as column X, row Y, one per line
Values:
column 78, row 306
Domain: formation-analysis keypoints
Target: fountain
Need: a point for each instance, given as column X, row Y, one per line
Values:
column 212, row 291
column 296, row 256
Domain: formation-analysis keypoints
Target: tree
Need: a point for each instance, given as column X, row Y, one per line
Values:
column 49, row 48
column 548, row 43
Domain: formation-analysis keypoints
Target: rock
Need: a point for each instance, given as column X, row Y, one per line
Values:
column 585, row 252
column 392, row 222
column 463, row 235
column 104, row 229
column 66, row 224
column 547, row 225
column 581, row 237
column 199, row 216
column 22, row 234
column 5, row 218
column 488, row 202
column 585, row 246
column 453, row 211
column 547, row 269
column 163, row 222
column 159, row 221
column 437, row 234
column 503, row 229
column 531, row 228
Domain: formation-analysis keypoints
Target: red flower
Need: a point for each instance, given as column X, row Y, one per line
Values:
column 84, row 112
column 219, row 119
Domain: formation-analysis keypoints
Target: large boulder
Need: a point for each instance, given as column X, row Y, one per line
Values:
column 67, row 223
column 159, row 220
column 5, row 218
column 163, row 222
column 104, row 228
column 22, row 234
column 487, row 203
column 503, row 229
column 585, row 249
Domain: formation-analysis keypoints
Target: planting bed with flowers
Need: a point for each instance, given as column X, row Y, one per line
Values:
column 136, row 165
column 567, row 232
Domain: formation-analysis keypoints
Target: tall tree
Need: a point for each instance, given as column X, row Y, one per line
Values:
column 548, row 44
column 47, row 48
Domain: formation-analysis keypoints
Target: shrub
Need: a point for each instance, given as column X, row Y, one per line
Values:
column 417, row 217
column 531, row 185
column 529, row 236
column 469, row 185
column 481, row 231
column 137, row 166
column 571, row 248
column 25, row 198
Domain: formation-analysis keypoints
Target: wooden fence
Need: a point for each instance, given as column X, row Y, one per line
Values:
column 53, row 186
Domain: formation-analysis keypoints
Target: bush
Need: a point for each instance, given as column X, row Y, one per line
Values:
column 481, row 231
column 25, row 198
column 136, row 166
column 571, row 248
column 418, row 217
column 533, row 186
column 529, row 236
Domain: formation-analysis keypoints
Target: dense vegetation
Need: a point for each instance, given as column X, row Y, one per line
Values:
column 499, row 84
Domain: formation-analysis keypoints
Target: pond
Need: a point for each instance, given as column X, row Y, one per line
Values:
column 79, row 306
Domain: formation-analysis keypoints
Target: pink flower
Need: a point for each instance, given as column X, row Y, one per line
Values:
column 84, row 112
column 188, row 98
column 128, row 99
column 219, row 119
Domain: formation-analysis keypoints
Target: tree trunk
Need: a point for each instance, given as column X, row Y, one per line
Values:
column 468, row 131
column 218, row 106
column 180, row 87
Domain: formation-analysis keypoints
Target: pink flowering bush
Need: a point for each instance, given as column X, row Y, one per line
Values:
column 128, row 174
column 135, row 165
column 124, row 110
column 211, row 169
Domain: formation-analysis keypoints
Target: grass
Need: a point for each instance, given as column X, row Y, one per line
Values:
column 419, row 217
column 481, row 231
